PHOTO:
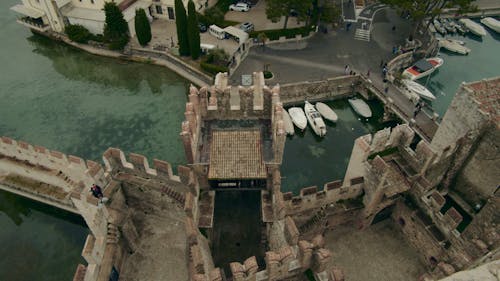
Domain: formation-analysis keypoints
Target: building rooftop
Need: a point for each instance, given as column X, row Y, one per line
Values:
column 236, row 155
column 485, row 92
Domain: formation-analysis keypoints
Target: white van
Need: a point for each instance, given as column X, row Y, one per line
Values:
column 217, row 31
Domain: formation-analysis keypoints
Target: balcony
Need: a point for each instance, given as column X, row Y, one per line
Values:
column 36, row 24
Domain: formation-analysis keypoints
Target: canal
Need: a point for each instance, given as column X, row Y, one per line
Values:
column 66, row 100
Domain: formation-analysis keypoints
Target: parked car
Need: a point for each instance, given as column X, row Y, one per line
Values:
column 203, row 27
column 240, row 7
column 247, row 26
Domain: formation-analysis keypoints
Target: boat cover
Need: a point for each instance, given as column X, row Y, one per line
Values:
column 423, row 65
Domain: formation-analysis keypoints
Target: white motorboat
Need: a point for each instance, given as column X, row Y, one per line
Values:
column 448, row 26
column 473, row 27
column 491, row 23
column 439, row 28
column 315, row 120
column 423, row 68
column 460, row 28
column 298, row 117
column 418, row 89
column 453, row 46
column 326, row 112
column 360, row 107
column 287, row 121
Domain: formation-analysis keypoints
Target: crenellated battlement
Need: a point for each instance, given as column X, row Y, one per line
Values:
column 222, row 101
column 311, row 198
column 74, row 168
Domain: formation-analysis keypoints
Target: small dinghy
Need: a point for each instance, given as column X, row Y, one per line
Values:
column 360, row 107
column 298, row 117
column 491, row 23
column 418, row 89
column 473, row 27
column 315, row 120
column 326, row 112
column 287, row 121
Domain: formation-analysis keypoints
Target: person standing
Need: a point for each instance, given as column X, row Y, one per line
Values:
column 97, row 192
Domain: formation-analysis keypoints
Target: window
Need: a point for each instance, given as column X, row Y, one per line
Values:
column 171, row 14
column 158, row 9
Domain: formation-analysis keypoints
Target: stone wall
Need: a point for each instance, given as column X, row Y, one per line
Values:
column 332, row 88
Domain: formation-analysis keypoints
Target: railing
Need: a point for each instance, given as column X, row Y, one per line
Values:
column 28, row 22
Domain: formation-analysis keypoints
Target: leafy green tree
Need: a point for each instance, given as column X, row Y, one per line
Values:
column 142, row 27
column 421, row 9
column 193, row 31
column 330, row 13
column 277, row 8
column 181, row 24
column 115, row 28
column 77, row 33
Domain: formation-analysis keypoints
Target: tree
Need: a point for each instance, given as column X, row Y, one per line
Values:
column 115, row 28
column 181, row 24
column 142, row 27
column 193, row 31
column 330, row 13
column 277, row 8
column 421, row 9
column 77, row 33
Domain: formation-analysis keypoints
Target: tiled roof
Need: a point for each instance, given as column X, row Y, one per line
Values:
column 236, row 155
column 487, row 93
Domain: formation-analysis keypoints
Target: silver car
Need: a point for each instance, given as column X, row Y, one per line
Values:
column 247, row 26
column 240, row 7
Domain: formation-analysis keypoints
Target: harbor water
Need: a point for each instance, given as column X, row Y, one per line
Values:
column 80, row 104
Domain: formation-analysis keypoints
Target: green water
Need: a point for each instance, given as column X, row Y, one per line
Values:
column 80, row 104
column 482, row 62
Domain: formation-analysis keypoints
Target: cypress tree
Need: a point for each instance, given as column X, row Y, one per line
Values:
column 193, row 31
column 142, row 27
column 115, row 28
column 181, row 24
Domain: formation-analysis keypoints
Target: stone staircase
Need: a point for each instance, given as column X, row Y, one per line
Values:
column 362, row 34
column 178, row 197
column 318, row 219
column 113, row 235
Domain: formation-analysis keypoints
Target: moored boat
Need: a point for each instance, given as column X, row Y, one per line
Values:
column 439, row 27
column 491, row 23
column 287, row 121
column 453, row 46
column 326, row 112
column 418, row 89
column 298, row 117
column 473, row 27
column 360, row 107
column 422, row 68
column 448, row 26
column 315, row 120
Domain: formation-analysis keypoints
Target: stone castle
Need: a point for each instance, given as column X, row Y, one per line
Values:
column 442, row 195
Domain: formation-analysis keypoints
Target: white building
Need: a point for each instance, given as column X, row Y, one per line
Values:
column 53, row 15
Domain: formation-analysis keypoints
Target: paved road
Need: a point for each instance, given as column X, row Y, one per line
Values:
column 326, row 55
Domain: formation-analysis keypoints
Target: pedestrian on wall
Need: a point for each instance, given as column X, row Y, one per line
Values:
column 346, row 69
column 368, row 73
column 96, row 191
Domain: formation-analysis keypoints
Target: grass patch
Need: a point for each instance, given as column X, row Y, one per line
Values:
column 383, row 153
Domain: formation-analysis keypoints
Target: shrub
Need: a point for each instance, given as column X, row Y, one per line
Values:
column 78, row 33
column 212, row 68
column 118, row 43
column 268, row 74
column 215, row 61
column 275, row 34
